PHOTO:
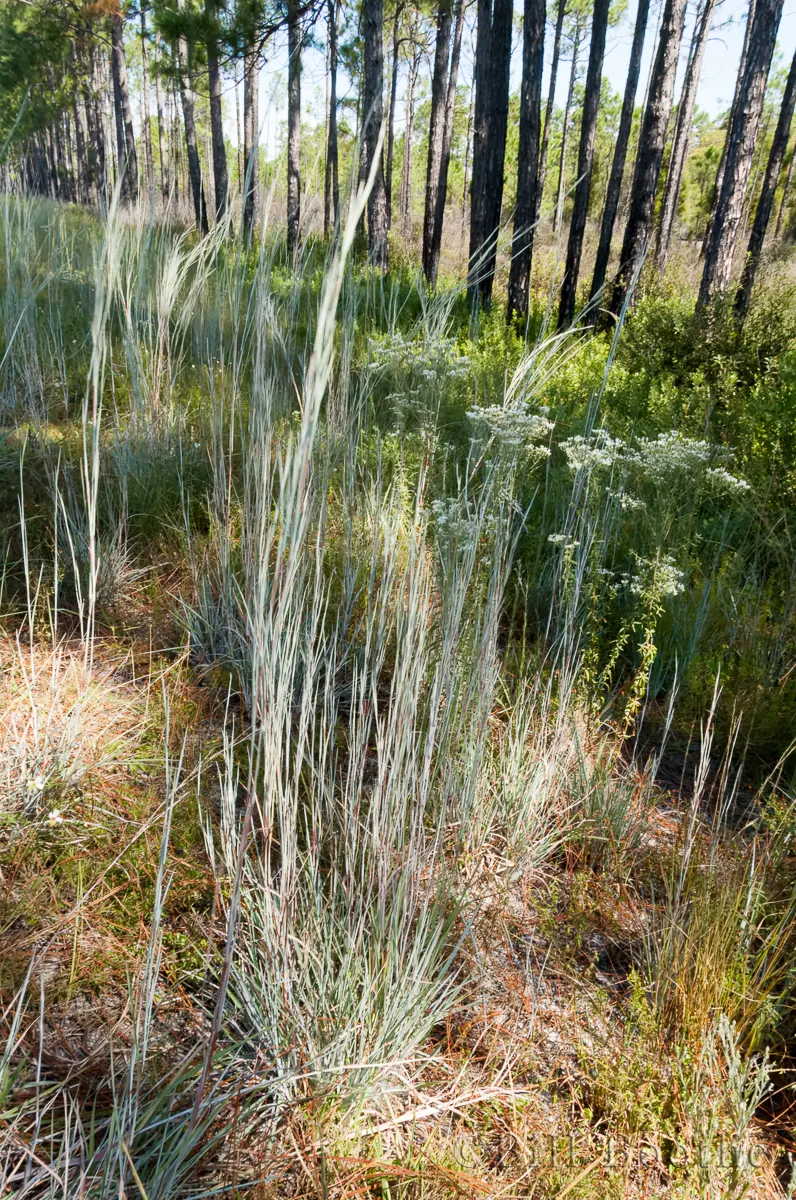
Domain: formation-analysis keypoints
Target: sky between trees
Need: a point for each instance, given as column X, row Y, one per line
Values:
column 714, row 94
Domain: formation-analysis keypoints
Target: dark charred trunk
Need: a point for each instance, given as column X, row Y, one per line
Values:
column 331, row 194
column 251, row 140
column 562, row 160
column 293, row 127
column 528, row 158
column 588, row 132
column 125, row 136
column 682, row 132
column 741, row 141
column 373, row 111
column 551, row 98
column 652, row 138
column 436, row 130
column 614, row 189
column 220, row 175
column 766, row 201
column 447, row 138
column 492, row 63
column 191, row 145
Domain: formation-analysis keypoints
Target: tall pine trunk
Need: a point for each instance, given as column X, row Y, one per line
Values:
column 146, row 130
column 785, row 193
column 652, row 139
column 409, row 133
column 719, row 181
column 220, row 173
column 84, row 184
column 97, row 150
column 682, row 132
column 741, row 139
column 396, row 48
column 447, row 138
column 331, row 191
column 527, row 207
column 191, row 145
column 436, row 129
column 468, row 146
column 373, row 112
column 614, row 190
column 588, row 133
column 293, row 127
column 251, row 140
column 164, row 166
column 766, row 201
column 125, row 137
column 562, row 160
column 551, row 99
column 492, row 64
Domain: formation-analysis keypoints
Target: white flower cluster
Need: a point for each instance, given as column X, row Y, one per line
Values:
column 514, row 427
column 721, row 479
column 626, row 501
column 594, row 452
column 427, row 360
column 561, row 539
column 656, row 459
column 457, row 524
column 658, row 575
column 668, row 453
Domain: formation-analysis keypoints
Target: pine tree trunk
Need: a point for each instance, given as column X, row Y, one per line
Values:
column 447, row 139
column 251, row 140
column 331, row 191
column 562, row 162
column 614, row 189
column 682, row 132
column 492, row 64
column 785, row 192
column 146, row 129
column 436, row 129
column 84, row 186
column 588, row 133
column 528, row 158
column 293, row 127
column 750, row 16
column 396, row 46
column 467, row 153
column 551, row 99
column 191, row 146
column 128, row 160
column 164, row 166
column 118, row 120
column 373, row 111
column 741, row 140
column 175, row 144
column 97, row 149
column 757, row 166
column 766, row 200
column 406, row 168
column 238, row 132
column 651, row 142
column 74, row 172
column 220, row 176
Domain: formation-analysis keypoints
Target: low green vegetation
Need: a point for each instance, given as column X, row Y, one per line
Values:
column 396, row 731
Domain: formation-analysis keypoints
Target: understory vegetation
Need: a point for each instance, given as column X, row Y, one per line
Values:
column 396, row 730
